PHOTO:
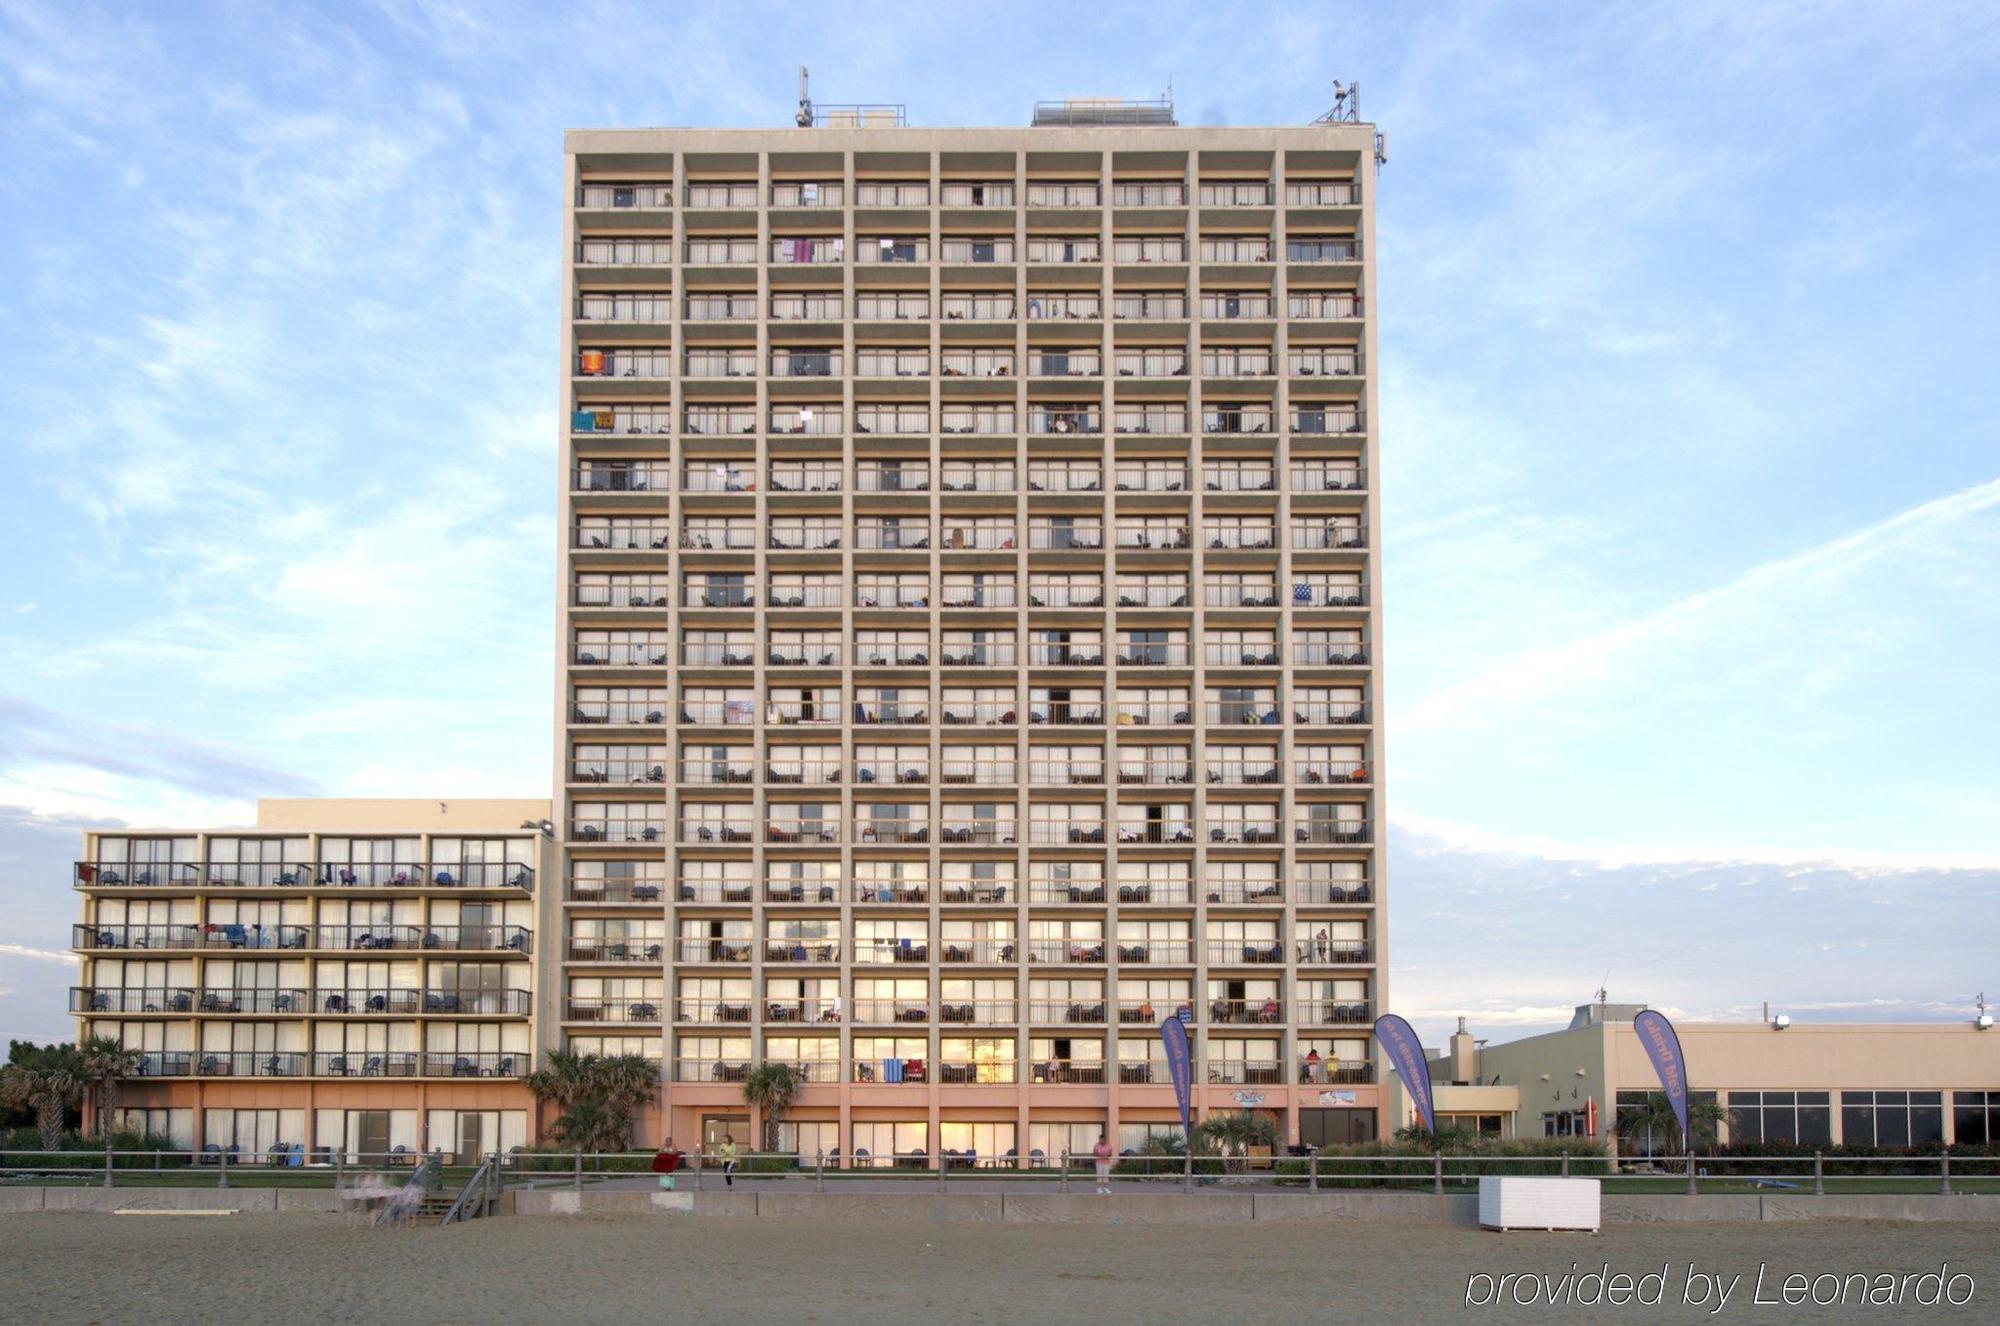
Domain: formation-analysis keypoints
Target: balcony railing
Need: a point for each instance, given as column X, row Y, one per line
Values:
column 698, row 595
column 1155, row 952
column 1065, row 773
column 1335, row 1012
column 902, row 773
column 978, row 951
column 711, row 1070
column 233, row 875
column 1166, row 772
column 1331, row 952
column 1328, row 536
column 1335, row 892
column 715, row 773
column 624, row 948
column 1245, row 1072
column 618, row 830
column 1068, row 951
column 1331, row 771
column 1237, row 892
column 380, row 1002
column 623, row 197
column 1261, row 1012
column 639, row 1009
column 740, row 831
column 801, row 891
column 1330, row 653
column 1241, row 952
column 594, row 888
column 819, row 949
column 715, row 950
column 1088, row 1010
column 1330, row 832
column 797, row 772
column 639, row 476
column 976, row 833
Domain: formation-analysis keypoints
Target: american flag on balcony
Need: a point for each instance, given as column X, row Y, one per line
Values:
column 1302, row 594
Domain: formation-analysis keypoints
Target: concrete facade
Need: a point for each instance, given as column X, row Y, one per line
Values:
column 970, row 627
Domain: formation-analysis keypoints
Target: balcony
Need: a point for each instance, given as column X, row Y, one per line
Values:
column 624, row 197
column 885, row 1012
column 1072, row 1072
column 1245, row 833
column 1245, row 952
column 1245, row 1072
column 1325, row 833
column 975, row 891
column 248, row 1063
column 1262, row 1012
column 1155, row 952
column 622, row 949
column 1087, row 1011
column 1322, row 951
column 782, row 772
column 710, row 1070
column 628, row 1010
column 978, row 951
column 636, row 476
column 739, row 832
column 891, row 832
column 621, row 713
column 1336, row 892
column 1331, row 654
column 1331, row 771
column 715, row 773
column 380, row 1002
column 801, row 1011
column 1064, row 773
column 1325, row 1012
column 189, row 875
column 1074, row 833
column 618, row 831
column 624, row 253
column 597, row 888
column 976, row 833
column 799, row 891
column 1329, row 713
column 1242, row 892
column 1242, row 654
column 890, row 951
column 1084, row 952
column 1328, row 536
column 730, row 951
column 802, row 950
column 412, row 938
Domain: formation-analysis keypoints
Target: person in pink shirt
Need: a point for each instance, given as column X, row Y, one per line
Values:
column 1102, row 1154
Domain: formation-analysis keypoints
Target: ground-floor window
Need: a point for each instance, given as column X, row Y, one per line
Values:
column 277, row 1136
column 1891, row 1118
column 1047, row 1140
column 1801, row 1118
column 1484, row 1125
column 176, row 1125
column 810, row 1140
column 1132, row 1136
column 885, row 1143
column 1340, row 1126
column 971, row 1143
column 1975, row 1117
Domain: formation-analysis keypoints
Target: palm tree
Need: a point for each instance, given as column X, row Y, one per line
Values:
column 104, row 1060
column 1654, row 1117
column 771, row 1089
column 563, row 1078
column 595, row 1096
column 48, row 1081
column 1232, row 1135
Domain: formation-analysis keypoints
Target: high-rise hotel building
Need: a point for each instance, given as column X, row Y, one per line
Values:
column 970, row 627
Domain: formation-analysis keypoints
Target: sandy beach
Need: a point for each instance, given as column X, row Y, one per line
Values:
column 82, row 1268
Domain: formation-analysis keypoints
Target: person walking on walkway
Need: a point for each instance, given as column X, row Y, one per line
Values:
column 665, row 1162
column 1101, row 1153
column 728, row 1161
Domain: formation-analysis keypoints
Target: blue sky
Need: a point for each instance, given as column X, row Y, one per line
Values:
column 1691, row 470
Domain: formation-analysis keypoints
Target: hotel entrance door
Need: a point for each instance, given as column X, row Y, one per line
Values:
column 713, row 1126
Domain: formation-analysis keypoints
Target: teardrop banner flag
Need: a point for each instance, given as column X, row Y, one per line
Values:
column 1663, row 1046
column 1406, row 1054
column 1174, row 1033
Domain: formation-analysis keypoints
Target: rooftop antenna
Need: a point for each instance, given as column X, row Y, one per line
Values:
column 804, row 118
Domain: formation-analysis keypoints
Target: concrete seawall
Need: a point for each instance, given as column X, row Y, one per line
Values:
column 1206, row 1208
column 1235, row 1208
